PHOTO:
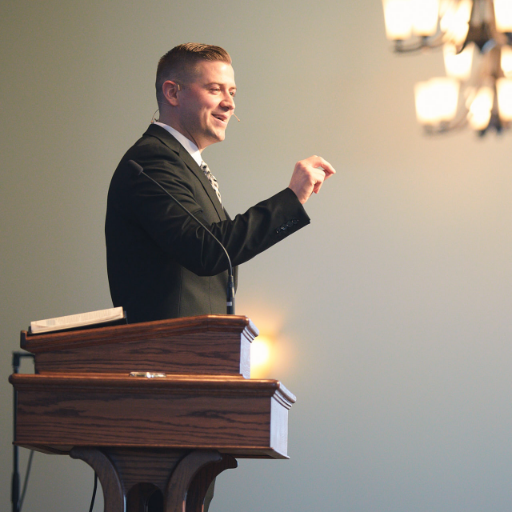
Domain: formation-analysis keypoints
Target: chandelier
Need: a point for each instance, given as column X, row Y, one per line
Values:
column 476, row 38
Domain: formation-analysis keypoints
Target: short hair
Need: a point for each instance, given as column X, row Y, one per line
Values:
column 180, row 63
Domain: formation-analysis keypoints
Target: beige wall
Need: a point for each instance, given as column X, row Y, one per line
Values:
column 391, row 311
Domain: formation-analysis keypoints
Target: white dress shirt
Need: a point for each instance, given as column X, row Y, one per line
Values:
column 186, row 143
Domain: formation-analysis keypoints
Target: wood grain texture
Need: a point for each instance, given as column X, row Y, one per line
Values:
column 111, row 484
column 203, row 479
column 164, row 439
column 182, row 478
column 209, row 344
column 136, row 465
column 143, row 496
column 236, row 415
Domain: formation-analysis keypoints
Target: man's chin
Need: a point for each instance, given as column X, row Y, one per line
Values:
column 218, row 136
column 213, row 139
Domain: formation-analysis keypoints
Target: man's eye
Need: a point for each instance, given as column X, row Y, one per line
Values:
column 215, row 89
column 232, row 94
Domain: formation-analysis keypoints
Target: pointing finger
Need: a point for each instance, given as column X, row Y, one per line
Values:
column 325, row 166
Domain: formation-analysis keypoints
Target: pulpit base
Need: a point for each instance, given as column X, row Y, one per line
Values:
column 130, row 477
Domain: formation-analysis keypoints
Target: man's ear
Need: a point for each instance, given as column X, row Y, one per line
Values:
column 170, row 91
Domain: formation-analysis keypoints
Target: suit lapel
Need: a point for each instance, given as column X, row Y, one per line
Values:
column 166, row 138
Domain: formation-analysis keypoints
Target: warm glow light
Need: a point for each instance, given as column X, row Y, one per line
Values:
column 447, row 17
column 445, row 5
column 506, row 60
column 436, row 100
column 455, row 21
column 425, row 14
column 504, row 91
column 398, row 19
column 503, row 13
column 458, row 65
column 460, row 26
column 260, row 356
column 480, row 108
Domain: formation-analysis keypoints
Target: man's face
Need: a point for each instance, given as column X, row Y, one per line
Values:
column 206, row 103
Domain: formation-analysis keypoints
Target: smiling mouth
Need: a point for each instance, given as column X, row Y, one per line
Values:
column 220, row 117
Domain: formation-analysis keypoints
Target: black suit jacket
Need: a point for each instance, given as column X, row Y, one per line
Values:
column 160, row 262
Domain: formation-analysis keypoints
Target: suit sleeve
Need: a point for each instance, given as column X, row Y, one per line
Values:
column 181, row 237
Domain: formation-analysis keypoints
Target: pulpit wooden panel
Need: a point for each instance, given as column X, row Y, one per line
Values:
column 239, row 416
column 209, row 344
column 153, row 407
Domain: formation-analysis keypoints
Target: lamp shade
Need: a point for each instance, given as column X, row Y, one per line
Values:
column 455, row 21
column 398, row 19
column 436, row 100
column 503, row 14
column 506, row 60
column 458, row 65
column 480, row 108
column 504, row 91
column 425, row 14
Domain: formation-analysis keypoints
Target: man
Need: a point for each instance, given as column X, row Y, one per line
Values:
column 161, row 263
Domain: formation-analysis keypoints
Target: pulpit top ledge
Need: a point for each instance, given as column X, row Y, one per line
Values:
column 207, row 344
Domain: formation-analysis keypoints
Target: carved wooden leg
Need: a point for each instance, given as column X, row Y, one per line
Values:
column 204, row 479
column 113, row 492
column 144, row 497
column 185, row 490
column 189, row 483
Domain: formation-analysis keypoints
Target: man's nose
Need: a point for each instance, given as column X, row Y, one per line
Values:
column 228, row 102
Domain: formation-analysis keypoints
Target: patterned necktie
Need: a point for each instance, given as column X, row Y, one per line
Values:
column 211, row 179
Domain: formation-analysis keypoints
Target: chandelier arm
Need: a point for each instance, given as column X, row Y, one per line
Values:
column 422, row 43
column 443, row 128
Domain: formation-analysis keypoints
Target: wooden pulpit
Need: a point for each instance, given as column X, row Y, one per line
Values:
column 158, row 407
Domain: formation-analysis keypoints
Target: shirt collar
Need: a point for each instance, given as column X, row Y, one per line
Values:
column 186, row 143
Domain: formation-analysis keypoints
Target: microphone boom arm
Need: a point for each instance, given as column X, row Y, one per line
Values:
column 230, row 292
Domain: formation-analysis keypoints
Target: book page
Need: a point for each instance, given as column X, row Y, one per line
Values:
column 78, row 320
